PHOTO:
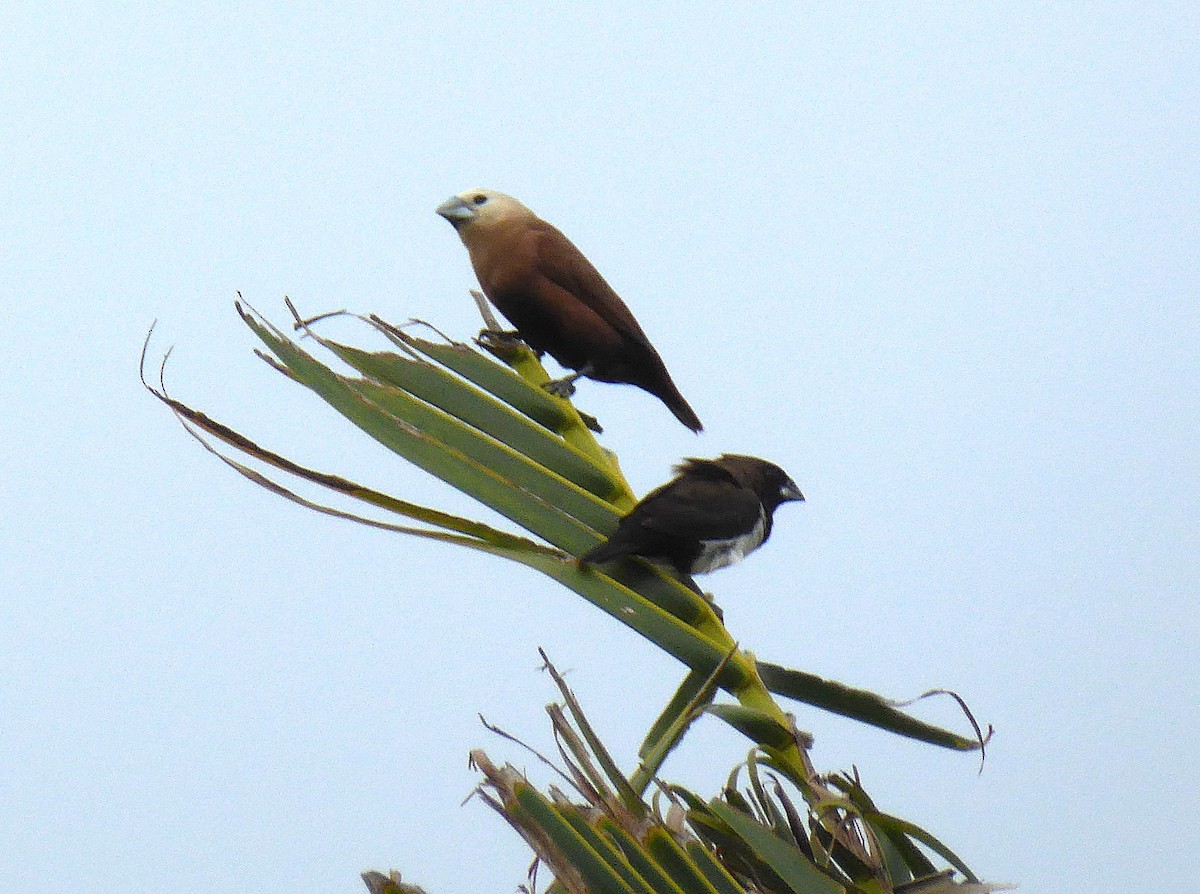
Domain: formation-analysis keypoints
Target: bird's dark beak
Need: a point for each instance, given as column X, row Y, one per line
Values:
column 456, row 211
column 790, row 492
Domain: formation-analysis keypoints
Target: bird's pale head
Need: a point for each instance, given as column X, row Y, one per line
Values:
column 478, row 210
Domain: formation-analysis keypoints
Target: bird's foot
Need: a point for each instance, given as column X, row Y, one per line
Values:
column 690, row 583
column 563, row 387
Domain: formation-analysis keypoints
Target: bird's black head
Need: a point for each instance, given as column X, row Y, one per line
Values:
column 772, row 485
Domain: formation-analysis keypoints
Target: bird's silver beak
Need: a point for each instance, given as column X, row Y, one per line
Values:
column 456, row 211
column 790, row 492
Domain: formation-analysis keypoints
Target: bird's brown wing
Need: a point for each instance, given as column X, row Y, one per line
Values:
column 703, row 509
column 567, row 267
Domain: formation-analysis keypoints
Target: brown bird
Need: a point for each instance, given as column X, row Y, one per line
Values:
column 558, row 302
column 714, row 514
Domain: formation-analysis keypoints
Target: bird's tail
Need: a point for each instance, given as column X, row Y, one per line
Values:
column 606, row 552
column 654, row 378
column 685, row 413
column 670, row 396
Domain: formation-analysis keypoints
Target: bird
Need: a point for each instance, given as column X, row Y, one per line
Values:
column 557, row 301
column 712, row 515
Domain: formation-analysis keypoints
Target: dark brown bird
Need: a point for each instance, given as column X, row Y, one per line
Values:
column 714, row 514
column 558, row 302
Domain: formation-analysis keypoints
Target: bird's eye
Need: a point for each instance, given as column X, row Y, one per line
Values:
column 479, row 198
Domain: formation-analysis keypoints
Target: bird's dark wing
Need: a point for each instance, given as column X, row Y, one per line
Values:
column 568, row 268
column 701, row 509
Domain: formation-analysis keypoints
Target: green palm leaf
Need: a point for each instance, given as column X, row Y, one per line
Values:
column 489, row 429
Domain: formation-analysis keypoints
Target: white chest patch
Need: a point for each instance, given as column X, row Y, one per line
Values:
column 716, row 554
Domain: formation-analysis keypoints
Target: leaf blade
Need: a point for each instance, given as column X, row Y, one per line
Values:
column 857, row 704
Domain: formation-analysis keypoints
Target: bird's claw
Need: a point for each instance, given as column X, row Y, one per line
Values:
column 563, row 388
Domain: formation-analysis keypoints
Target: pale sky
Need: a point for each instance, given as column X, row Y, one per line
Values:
column 937, row 261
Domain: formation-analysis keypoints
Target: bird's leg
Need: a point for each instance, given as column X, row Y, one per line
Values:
column 565, row 386
column 708, row 597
